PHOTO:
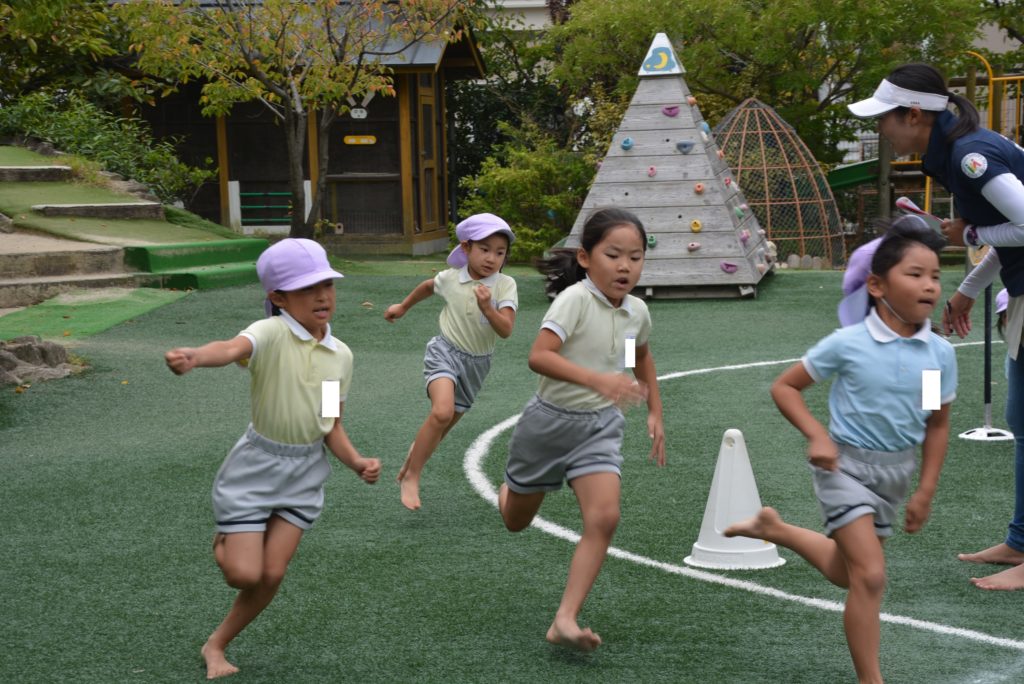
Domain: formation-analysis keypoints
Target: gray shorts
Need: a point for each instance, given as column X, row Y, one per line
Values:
column 468, row 371
column 261, row 478
column 551, row 444
column 866, row 482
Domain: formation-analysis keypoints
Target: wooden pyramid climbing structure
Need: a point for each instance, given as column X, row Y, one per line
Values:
column 664, row 166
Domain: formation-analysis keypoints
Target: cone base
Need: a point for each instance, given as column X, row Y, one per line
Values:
column 757, row 559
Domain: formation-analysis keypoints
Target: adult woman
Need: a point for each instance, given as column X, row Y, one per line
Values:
column 983, row 171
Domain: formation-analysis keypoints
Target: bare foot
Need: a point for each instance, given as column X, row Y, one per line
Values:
column 756, row 527
column 217, row 664
column 568, row 633
column 1007, row 580
column 1000, row 553
column 410, row 490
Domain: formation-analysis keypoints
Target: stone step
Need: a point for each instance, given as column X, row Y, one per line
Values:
column 15, row 292
column 119, row 210
column 26, row 174
column 29, row 265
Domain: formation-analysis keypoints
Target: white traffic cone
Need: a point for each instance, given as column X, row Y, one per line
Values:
column 733, row 498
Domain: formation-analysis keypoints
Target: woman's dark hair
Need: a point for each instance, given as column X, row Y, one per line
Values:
column 560, row 266
column 924, row 78
column 902, row 234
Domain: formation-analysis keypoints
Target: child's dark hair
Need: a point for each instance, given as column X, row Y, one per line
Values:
column 901, row 235
column 924, row 78
column 560, row 266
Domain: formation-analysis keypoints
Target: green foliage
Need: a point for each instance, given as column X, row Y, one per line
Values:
column 535, row 184
column 63, row 44
column 805, row 58
column 124, row 146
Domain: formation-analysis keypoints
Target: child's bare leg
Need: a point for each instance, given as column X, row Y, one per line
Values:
column 518, row 510
column 1000, row 553
column 598, row 496
column 862, row 549
column 441, row 419
column 1007, row 580
column 275, row 551
column 814, row 547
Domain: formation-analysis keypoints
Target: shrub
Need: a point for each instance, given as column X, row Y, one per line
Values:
column 122, row 145
column 533, row 183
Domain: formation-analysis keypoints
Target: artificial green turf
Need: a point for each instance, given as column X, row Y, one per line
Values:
column 11, row 155
column 107, row 573
column 83, row 313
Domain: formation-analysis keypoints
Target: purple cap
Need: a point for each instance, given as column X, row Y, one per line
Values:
column 1002, row 301
column 855, row 303
column 292, row 264
column 476, row 227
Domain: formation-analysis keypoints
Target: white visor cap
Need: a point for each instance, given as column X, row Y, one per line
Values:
column 888, row 97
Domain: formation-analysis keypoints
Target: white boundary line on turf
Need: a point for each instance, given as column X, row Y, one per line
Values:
column 478, row 451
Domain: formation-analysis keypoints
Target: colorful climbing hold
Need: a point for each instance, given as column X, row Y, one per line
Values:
column 651, row 171
column 685, row 146
column 693, row 246
column 626, row 144
column 729, row 267
column 728, row 181
column 691, row 100
column 744, row 206
column 762, row 268
column 705, row 127
column 652, row 241
column 744, row 236
column 739, row 212
column 698, row 188
column 695, row 225
column 721, row 154
column 670, row 110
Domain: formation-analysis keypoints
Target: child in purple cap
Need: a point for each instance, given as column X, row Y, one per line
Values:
column 480, row 306
column 879, row 413
column 269, row 490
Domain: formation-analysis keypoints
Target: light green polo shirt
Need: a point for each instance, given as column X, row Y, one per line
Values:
column 593, row 334
column 462, row 322
column 287, row 369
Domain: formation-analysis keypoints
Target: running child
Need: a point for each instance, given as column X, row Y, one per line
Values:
column 269, row 490
column 572, row 428
column 480, row 306
column 863, row 464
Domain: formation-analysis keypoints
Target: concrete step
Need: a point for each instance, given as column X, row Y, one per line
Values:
column 24, row 174
column 119, row 210
column 28, row 265
column 15, row 292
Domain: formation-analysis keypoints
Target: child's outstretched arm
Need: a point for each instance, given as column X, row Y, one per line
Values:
column 341, row 446
column 933, row 454
column 648, row 376
column 418, row 294
column 502, row 320
column 545, row 360
column 787, row 393
column 211, row 355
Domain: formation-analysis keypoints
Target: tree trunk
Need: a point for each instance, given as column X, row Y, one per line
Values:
column 326, row 119
column 295, row 137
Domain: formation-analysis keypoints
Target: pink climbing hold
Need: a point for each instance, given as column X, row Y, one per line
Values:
column 670, row 110
column 729, row 267
column 693, row 246
column 698, row 188
column 728, row 182
column 691, row 100
column 651, row 171
column 744, row 236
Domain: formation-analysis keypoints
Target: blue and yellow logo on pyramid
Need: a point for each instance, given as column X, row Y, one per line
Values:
column 660, row 59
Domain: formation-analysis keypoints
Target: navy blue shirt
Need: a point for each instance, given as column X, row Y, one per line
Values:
column 963, row 167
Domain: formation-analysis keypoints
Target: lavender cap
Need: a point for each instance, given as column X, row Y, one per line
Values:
column 477, row 227
column 292, row 264
column 855, row 303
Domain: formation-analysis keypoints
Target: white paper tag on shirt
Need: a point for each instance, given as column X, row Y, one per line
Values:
column 931, row 390
column 330, row 399
column 630, row 352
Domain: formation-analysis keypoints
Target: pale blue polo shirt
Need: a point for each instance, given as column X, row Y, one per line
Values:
column 875, row 400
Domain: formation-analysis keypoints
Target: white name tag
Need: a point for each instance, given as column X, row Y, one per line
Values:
column 330, row 399
column 630, row 352
column 931, row 390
